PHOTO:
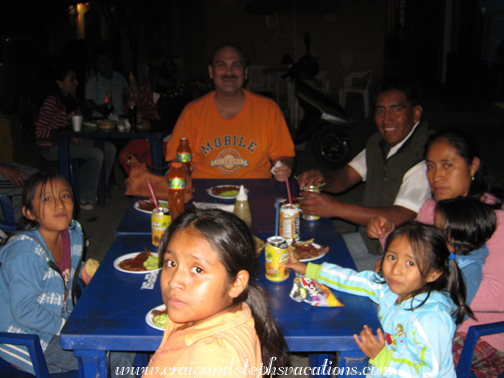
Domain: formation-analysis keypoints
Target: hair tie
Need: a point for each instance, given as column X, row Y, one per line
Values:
column 452, row 256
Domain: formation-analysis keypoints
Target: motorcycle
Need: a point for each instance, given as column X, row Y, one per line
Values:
column 325, row 124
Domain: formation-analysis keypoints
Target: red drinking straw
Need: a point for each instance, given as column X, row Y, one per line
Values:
column 288, row 190
column 153, row 196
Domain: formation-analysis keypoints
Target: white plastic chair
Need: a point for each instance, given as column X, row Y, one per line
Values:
column 258, row 81
column 357, row 82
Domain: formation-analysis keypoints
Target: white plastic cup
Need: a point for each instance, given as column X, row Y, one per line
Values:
column 77, row 122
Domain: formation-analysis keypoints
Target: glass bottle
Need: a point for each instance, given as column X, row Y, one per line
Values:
column 184, row 152
column 132, row 111
column 176, row 188
column 109, row 105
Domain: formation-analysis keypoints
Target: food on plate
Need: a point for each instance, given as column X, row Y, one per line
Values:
column 259, row 244
column 306, row 250
column 151, row 263
column 148, row 204
column 141, row 262
column 160, row 318
column 225, row 191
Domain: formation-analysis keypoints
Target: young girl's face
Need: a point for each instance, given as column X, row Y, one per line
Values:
column 52, row 207
column 194, row 283
column 401, row 271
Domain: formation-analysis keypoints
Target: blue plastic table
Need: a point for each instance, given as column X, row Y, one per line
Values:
column 111, row 313
column 63, row 137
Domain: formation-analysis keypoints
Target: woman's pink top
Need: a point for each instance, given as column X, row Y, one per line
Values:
column 488, row 304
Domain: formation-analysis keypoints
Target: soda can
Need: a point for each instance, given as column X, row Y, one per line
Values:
column 289, row 223
column 160, row 221
column 276, row 254
column 311, row 217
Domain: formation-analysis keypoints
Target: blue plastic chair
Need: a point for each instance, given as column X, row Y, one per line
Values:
column 32, row 343
column 473, row 334
column 8, row 224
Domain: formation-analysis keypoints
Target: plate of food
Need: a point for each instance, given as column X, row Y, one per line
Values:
column 138, row 262
column 147, row 205
column 157, row 317
column 308, row 251
column 224, row 191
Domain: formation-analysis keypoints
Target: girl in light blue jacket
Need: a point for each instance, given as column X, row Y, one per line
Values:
column 39, row 267
column 421, row 298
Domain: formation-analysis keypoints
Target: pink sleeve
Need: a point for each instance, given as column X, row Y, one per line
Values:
column 490, row 295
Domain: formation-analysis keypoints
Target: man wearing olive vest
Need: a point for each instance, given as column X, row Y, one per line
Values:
column 392, row 165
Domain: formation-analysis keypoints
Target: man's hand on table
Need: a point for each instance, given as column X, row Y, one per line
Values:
column 14, row 175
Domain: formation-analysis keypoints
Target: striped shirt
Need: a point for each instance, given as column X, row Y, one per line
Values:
column 52, row 116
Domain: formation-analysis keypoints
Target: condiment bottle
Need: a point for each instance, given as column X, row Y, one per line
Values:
column 109, row 105
column 176, row 188
column 242, row 208
column 132, row 110
column 184, row 152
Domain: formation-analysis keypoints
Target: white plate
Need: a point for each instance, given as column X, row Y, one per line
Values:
column 90, row 124
column 314, row 258
column 137, row 207
column 149, row 318
column 129, row 256
column 209, row 191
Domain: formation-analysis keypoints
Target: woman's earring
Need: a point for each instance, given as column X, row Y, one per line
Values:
column 472, row 178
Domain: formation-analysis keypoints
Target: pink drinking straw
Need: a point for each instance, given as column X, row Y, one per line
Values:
column 153, row 196
column 288, row 190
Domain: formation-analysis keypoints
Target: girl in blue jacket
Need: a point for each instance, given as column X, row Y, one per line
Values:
column 39, row 269
column 421, row 298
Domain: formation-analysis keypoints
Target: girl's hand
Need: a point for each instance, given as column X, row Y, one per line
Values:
column 295, row 264
column 379, row 226
column 368, row 343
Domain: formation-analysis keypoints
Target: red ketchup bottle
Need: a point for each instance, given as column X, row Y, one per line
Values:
column 176, row 188
column 184, row 152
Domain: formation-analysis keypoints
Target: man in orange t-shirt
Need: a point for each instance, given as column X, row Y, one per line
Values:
column 234, row 133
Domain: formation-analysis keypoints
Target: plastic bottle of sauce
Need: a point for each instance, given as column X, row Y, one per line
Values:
column 242, row 208
column 184, row 152
column 176, row 188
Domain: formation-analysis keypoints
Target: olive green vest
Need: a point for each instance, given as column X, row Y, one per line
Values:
column 384, row 176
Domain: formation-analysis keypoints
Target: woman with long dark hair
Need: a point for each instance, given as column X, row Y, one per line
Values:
column 57, row 112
